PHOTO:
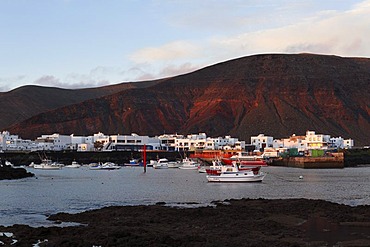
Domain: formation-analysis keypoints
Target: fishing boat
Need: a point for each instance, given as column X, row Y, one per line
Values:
column 47, row 164
column 234, row 174
column 189, row 164
column 216, row 165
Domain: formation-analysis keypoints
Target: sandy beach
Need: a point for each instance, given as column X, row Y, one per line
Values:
column 245, row 222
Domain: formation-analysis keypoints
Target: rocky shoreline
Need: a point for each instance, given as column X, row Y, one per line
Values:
column 245, row 222
column 8, row 172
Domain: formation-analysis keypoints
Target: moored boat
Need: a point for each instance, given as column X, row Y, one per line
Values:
column 74, row 164
column 161, row 164
column 173, row 164
column 47, row 164
column 104, row 166
column 133, row 162
column 233, row 174
column 189, row 164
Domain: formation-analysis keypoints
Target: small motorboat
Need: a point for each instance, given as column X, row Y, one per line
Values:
column 161, row 164
column 74, row 164
column 173, row 164
column 104, row 166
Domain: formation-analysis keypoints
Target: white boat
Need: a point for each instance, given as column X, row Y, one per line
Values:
column 189, row 164
column 152, row 163
column 110, row 166
column 173, row 164
column 74, row 164
column 95, row 166
column 47, row 164
column 161, row 164
column 216, row 165
column 233, row 174
column 104, row 166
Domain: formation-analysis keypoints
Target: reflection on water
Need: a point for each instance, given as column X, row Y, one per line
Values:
column 31, row 200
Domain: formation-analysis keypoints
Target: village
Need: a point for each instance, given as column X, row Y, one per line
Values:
column 270, row 146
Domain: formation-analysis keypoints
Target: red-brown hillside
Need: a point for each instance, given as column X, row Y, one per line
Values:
column 273, row 94
column 27, row 101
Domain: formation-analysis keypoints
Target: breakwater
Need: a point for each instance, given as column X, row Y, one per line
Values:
column 335, row 161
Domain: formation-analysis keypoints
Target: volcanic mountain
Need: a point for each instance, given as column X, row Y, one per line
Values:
column 27, row 101
column 274, row 94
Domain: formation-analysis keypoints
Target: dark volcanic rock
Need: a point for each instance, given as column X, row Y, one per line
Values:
column 8, row 172
column 273, row 94
column 295, row 222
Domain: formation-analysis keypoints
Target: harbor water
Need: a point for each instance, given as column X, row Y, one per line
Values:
column 29, row 201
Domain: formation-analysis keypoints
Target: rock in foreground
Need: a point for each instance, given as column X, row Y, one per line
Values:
column 293, row 222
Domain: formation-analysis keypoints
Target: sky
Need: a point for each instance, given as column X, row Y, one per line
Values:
column 90, row 43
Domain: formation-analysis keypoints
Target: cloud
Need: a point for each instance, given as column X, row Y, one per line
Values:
column 171, row 51
column 75, row 81
column 147, row 71
column 177, row 70
column 291, row 28
column 340, row 33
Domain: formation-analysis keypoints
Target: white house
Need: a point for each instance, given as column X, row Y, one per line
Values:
column 54, row 142
column 261, row 141
column 132, row 142
column 316, row 141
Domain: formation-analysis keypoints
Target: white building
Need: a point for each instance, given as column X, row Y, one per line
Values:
column 348, row 143
column 291, row 142
column 131, row 142
column 82, row 143
column 168, row 142
column 15, row 143
column 227, row 143
column 261, row 141
column 54, row 142
column 316, row 141
column 339, row 142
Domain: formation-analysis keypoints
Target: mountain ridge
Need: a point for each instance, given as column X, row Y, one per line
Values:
column 275, row 94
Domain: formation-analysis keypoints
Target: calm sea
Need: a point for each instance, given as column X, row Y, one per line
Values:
column 30, row 201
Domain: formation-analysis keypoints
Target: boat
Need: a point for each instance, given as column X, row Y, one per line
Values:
column 151, row 163
column 95, row 166
column 110, row 166
column 104, row 166
column 216, row 165
column 133, row 162
column 246, row 157
column 173, row 164
column 233, row 174
column 189, row 164
column 245, row 160
column 161, row 164
column 47, row 164
column 74, row 164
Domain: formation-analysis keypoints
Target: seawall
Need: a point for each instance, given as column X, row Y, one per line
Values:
column 335, row 161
